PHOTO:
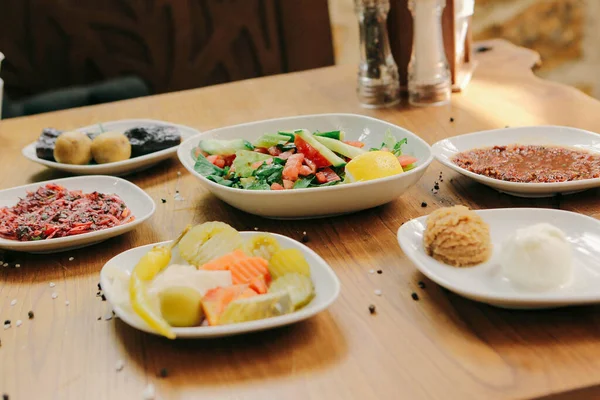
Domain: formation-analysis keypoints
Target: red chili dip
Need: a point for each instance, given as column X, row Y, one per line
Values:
column 531, row 163
column 52, row 211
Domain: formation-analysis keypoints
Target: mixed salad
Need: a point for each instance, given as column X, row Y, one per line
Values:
column 212, row 276
column 291, row 159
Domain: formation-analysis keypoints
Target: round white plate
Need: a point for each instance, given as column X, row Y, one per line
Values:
column 316, row 202
column 327, row 289
column 118, row 168
column 141, row 205
column 445, row 150
column 486, row 283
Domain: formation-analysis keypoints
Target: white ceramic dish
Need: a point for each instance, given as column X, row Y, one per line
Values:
column 446, row 149
column 316, row 202
column 486, row 283
column 141, row 205
column 327, row 289
column 119, row 168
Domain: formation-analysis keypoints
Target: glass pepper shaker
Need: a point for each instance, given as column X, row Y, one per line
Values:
column 429, row 80
column 378, row 83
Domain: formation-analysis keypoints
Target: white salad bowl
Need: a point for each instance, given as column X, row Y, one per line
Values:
column 445, row 150
column 326, row 283
column 486, row 282
column 141, row 205
column 119, row 168
column 323, row 201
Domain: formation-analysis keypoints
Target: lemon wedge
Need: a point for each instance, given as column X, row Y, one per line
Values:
column 372, row 165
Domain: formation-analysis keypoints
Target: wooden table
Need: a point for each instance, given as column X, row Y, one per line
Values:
column 440, row 347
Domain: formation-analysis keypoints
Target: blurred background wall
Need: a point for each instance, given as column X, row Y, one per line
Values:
column 566, row 33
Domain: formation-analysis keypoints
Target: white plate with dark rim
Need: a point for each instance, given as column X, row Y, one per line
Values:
column 118, row 168
column 445, row 150
column 327, row 289
column 141, row 205
column 315, row 202
column 486, row 283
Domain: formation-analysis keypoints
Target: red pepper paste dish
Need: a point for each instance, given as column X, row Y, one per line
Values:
column 52, row 211
column 531, row 163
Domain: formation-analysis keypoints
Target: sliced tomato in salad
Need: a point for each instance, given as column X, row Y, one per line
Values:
column 405, row 161
column 311, row 153
column 292, row 167
column 327, row 175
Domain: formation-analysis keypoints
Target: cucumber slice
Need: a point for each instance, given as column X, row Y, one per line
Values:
column 338, row 135
column 224, row 147
column 257, row 307
column 244, row 160
column 340, row 147
column 268, row 140
column 322, row 149
column 289, row 134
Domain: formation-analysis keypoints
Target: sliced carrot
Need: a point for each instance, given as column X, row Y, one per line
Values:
column 225, row 262
column 259, row 284
column 244, row 270
column 288, row 184
column 215, row 300
column 276, row 186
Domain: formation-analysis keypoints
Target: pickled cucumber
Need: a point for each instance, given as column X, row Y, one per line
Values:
column 299, row 287
column 286, row 261
column 181, row 306
column 262, row 245
column 257, row 307
column 207, row 241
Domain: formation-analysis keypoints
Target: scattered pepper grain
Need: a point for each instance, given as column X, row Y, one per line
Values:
column 30, row 315
column 423, row 204
column 163, row 200
column 372, row 309
column 163, row 373
column 421, row 284
column 415, row 296
column 379, row 271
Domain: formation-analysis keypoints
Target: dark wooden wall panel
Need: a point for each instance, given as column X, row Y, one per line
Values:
column 171, row 44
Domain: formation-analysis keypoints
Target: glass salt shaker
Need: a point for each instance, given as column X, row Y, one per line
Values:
column 429, row 80
column 378, row 83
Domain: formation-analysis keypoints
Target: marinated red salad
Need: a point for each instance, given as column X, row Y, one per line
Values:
column 52, row 211
column 531, row 163
column 287, row 159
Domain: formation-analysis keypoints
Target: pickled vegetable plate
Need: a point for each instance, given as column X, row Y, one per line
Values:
column 326, row 288
column 315, row 201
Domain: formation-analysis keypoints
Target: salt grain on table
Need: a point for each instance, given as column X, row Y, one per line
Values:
column 378, row 292
column 12, row 303
column 52, row 284
column 371, row 271
column 71, row 258
column 149, row 393
column 54, row 295
column 6, row 264
column 67, row 303
column 19, row 322
column 120, row 365
column 17, row 265
column 6, row 326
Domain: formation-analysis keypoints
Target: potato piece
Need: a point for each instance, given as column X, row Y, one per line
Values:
column 73, row 148
column 109, row 147
column 181, row 306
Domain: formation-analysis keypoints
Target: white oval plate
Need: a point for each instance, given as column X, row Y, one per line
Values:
column 327, row 289
column 485, row 282
column 141, row 205
column 445, row 150
column 316, row 202
column 118, row 168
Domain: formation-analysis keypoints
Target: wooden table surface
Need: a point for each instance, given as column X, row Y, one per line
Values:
column 440, row 347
